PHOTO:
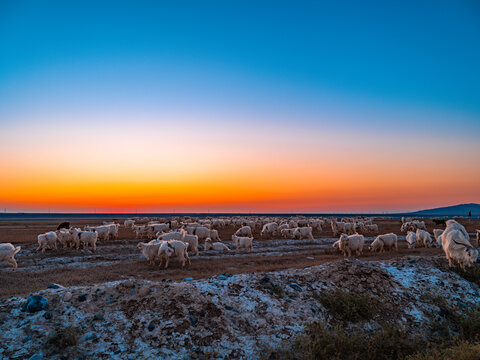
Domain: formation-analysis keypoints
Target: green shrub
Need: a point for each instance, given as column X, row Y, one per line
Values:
column 350, row 306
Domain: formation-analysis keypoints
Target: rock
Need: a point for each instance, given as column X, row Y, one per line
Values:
column 68, row 296
column 82, row 297
column 412, row 261
column 295, row 286
column 55, row 286
column 188, row 279
column 265, row 279
column 129, row 284
column 221, row 277
column 193, row 320
column 38, row 356
column 91, row 337
column 98, row 317
column 35, row 303
column 144, row 291
column 228, row 307
column 47, row 315
column 151, row 327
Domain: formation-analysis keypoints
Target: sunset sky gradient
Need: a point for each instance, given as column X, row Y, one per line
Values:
column 239, row 106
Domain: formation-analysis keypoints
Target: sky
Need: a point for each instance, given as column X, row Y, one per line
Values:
column 239, row 106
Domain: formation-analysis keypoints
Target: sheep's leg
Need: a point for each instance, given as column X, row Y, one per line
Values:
column 167, row 260
column 12, row 262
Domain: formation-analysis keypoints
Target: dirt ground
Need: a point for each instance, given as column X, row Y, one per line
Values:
column 120, row 259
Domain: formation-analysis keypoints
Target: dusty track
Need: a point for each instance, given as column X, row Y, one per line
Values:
column 119, row 259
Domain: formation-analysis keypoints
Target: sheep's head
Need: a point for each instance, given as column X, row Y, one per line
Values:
column 471, row 255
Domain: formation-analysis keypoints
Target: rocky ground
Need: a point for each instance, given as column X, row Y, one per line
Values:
column 225, row 316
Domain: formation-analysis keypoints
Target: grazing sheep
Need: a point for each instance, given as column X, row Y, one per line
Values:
column 218, row 246
column 171, row 248
column 155, row 228
column 192, row 241
column 103, row 231
column 150, row 250
column 214, row 235
column 65, row 238
column 129, row 223
column 458, row 249
column 411, row 239
column 385, row 241
column 371, row 228
column 349, row 243
column 244, row 231
column 288, row 233
column 174, row 235
column 8, row 252
column 316, row 224
column 242, row 242
column 338, row 228
column 202, row 232
column 269, row 229
column 423, row 237
column 141, row 231
column 303, row 233
column 84, row 238
column 48, row 239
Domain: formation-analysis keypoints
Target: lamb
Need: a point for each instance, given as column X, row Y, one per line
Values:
column 192, row 241
column 242, row 242
column 48, row 239
column 411, row 239
column 244, row 231
column 424, row 237
column 437, row 233
column 84, row 238
column 269, row 229
column 303, row 232
column 172, row 248
column 349, row 243
column 218, row 246
column 385, row 241
column 8, row 252
column 150, row 250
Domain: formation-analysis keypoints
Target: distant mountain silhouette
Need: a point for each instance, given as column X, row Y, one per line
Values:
column 455, row 210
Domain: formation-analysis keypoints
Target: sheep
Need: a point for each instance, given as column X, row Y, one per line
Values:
column 281, row 227
column 437, row 233
column 452, row 224
column 423, row 237
column 218, row 246
column 174, row 235
column 113, row 230
column 155, row 228
column 202, row 232
column 64, row 225
column 129, row 223
column 385, row 241
column 175, row 248
column 478, row 237
column 214, row 235
column 457, row 247
column 411, row 239
column 103, row 231
column 288, row 233
column 150, row 250
column 269, row 229
column 336, row 244
column 192, row 241
column 349, row 243
column 8, row 252
column 303, row 232
column 372, row 228
column 48, row 239
column 84, row 238
column 242, row 242
column 338, row 228
column 64, row 237
column 244, row 231
column 316, row 224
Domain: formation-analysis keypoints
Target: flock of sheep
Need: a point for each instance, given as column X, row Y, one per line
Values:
column 174, row 238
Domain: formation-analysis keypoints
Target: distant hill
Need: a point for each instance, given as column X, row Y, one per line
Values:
column 455, row 210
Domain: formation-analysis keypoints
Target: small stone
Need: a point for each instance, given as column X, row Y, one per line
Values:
column 228, row 307
column 265, row 279
column 47, row 315
column 412, row 261
column 91, row 337
column 188, row 279
column 35, row 303
column 295, row 286
column 144, row 291
column 68, row 296
column 221, row 277
column 193, row 320
column 151, row 327
column 98, row 317
column 117, row 352
column 54, row 286
column 82, row 297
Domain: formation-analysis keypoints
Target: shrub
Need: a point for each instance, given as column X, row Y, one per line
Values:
column 63, row 338
column 461, row 351
column 471, row 274
column 350, row 306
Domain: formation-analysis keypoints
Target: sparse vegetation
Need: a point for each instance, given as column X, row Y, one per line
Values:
column 461, row 351
column 350, row 306
column 471, row 274
column 63, row 338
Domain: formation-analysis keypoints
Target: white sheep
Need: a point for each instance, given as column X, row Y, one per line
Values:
column 244, row 231
column 8, row 252
column 457, row 248
column 349, row 243
column 288, row 233
column 192, row 241
column 424, row 237
column 437, row 233
column 141, row 231
column 129, row 223
column 242, row 242
column 385, row 241
column 103, row 231
column 411, row 239
column 269, row 229
column 65, row 238
column 172, row 248
column 303, row 233
column 174, row 235
column 150, row 250
column 47, row 240
column 218, row 246
column 84, row 238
